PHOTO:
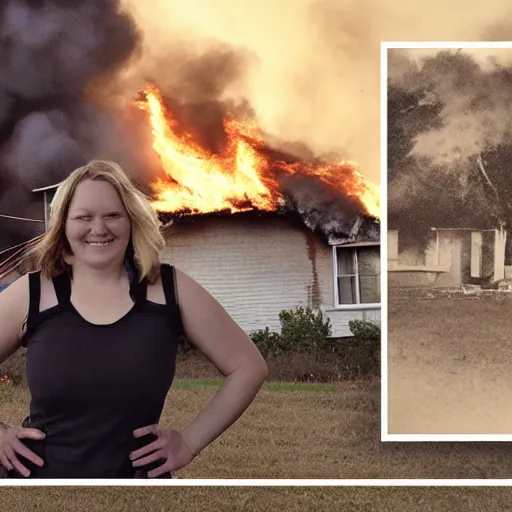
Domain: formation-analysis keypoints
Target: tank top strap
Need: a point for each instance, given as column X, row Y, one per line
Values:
column 138, row 290
column 34, row 286
column 170, row 287
column 62, row 285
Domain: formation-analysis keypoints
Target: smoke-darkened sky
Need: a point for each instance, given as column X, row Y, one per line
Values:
column 313, row 69
column 310, row 70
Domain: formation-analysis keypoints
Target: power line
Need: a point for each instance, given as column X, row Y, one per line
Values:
column 3, row 251
column 20, row 218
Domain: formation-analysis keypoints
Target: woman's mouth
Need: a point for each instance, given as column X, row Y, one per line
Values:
column 99, row 243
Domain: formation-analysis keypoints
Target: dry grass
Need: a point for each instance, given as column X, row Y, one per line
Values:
column 294, row 434
column 449, row 365
column 304, row 434
column 226, row 499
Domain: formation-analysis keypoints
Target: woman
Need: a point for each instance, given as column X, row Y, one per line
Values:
column 101, row 322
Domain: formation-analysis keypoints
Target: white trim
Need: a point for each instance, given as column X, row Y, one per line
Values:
column 385, row 435
column 238, row 482
column 49, row 187
column 355, row 307
column 437, row 45
column 384, row 236
column 335, row 275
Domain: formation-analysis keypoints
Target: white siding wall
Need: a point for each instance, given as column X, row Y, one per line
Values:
column 257, row 267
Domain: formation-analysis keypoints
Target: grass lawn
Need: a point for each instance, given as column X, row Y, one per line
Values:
column 292, row 431
column 449, row 365
column 305, row 431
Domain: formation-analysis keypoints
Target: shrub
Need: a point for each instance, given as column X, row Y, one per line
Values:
column 364, row 331
column 367, row 346
column 267, row 341
column 304, row 330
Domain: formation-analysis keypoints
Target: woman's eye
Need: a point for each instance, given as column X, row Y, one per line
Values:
column 113, row 216
column 83, row 217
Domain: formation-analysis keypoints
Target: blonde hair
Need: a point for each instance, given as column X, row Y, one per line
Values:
column 146, row 238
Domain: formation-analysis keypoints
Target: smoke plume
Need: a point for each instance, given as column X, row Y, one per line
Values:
column 308, row 69
column 51, row 51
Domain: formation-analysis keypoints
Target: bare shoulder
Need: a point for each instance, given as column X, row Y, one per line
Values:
column 14, row 303
column 189, row 289
column 18, row 291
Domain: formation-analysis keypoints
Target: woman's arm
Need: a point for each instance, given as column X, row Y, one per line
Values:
column 225, row 344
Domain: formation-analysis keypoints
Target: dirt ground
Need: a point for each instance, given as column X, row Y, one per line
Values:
column 450, row 364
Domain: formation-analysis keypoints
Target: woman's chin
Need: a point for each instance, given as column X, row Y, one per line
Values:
column 100, row 261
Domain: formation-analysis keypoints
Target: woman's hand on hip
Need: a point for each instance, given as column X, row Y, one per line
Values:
column 169, row 447
column 11, row 446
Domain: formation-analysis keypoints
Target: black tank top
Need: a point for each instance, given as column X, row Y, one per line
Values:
column 92, row 385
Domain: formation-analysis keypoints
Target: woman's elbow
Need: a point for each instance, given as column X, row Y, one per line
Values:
column 259, row 368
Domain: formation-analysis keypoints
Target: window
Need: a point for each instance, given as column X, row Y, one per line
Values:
column 357, row 275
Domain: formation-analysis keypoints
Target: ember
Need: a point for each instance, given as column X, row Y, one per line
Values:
column 240, row 178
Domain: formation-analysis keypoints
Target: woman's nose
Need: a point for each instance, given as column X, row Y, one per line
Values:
column 98, row 226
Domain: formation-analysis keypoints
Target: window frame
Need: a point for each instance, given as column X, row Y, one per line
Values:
column 359, row 305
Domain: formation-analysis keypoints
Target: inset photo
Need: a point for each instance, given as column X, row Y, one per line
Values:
column 447, row 352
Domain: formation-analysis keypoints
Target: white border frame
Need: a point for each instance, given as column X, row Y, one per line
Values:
column 216, row 482
column 385, row 435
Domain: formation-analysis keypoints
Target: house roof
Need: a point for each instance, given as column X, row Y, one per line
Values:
column 364, row 229
column 49, row 187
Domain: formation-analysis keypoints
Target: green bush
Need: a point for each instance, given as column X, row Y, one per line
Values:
column 304, row 330
column 267, row 341
column 367, row 346
column 364, row 331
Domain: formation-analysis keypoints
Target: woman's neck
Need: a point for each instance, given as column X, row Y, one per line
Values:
column 98, row 276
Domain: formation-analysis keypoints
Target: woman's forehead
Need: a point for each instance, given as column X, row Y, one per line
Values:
column 94, row 194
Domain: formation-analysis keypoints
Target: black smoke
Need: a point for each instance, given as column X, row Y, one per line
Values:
column 51, row 51
column 64, row 101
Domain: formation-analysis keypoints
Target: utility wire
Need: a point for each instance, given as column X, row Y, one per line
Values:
column 20, row 218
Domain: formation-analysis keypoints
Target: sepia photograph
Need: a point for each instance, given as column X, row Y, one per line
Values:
column 449, row 244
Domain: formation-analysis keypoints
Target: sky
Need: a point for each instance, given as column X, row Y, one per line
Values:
column 312, row 68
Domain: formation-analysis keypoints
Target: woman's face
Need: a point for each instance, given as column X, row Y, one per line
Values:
column 97, row 227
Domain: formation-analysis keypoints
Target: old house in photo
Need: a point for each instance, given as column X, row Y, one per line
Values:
column 450, row 258
column 259, row 263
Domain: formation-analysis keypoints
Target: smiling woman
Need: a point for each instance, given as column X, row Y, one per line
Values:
column 101, row 321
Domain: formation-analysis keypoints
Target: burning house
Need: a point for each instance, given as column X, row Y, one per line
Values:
column 261, row 227
column 264, row 231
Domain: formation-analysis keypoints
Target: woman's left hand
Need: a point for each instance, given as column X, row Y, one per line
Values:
column 169, row 446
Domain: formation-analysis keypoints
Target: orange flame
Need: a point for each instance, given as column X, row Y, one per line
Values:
column 238, row 180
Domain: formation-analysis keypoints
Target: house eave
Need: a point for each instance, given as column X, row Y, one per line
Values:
column 364, row 229
column 45, row 189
